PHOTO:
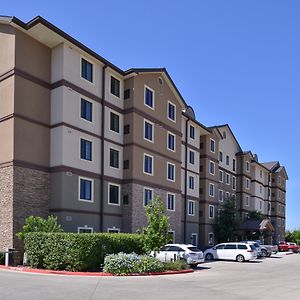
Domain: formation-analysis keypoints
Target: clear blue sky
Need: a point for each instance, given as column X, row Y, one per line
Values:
column 235, row 62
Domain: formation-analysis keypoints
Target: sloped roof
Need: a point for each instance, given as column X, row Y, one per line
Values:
column 271, row 165
column 255, row 225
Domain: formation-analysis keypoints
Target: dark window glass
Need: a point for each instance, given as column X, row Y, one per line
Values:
column 126, row 164
column 227, row 160
column 86, row 70
column 192, row 132
column 212, row 145
column 220, row 247
column 148, row 134
column 242, row 247
column 115, row 86
column 148, row 97
column 171, row 204
column 171, row 111
column 230, row 246
column 147, row 196
column 113, row 194
column 220, row 156
column 114, row 122
column 85, row 149
column 148, row 164
column 233, row 164
column 114, row 158
column 175, row 248
column 171, row 141
column 127, row 94
column 85, row 189
column 171, row 172
column 85, row 230
column 192, row 157
column 86, row 110
column 191, row 182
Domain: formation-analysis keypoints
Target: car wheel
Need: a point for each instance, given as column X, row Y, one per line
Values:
column 264, row 253
column 193, row 266
column 240, row 258
column 209, row 256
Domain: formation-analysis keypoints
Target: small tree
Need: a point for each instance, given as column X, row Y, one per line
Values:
column 38, row 224
column 155, row 235
column 228, row 222
column 255, row 215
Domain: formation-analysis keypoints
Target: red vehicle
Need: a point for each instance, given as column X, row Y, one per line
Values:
column 288, row 246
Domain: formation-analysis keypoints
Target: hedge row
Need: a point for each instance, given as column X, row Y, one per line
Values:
column 77, row 252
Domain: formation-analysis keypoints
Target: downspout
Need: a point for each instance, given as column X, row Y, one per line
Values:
column 185, row 179
column 102, row 151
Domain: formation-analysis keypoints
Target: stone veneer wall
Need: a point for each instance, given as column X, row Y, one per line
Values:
column 23, row 192
column 6, row 207
column 134, row 216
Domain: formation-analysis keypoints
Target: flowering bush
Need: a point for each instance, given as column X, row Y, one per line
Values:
column 122, row 264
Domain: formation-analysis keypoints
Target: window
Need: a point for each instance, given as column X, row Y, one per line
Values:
column 85, row 189
column 233, row 182
column 247, row 166
column 227, row 160
column 261, row 173
column 170, row 201
column 242, row 247
column 85, row 149
column 227, row 195
column 171, row 111
column 212, row 168
column 148, row 164
column 233, row 165
column 191, row 182
column 147, row 196
column 194, row 239
column 221, row 176
column 230, row 246
column 227, row 179
column 86, row 70
column 171, row 141
column 148, row 131
column 260, row 189
column 192, row 132
column 279, row 180
column 149, row 99
column 212, row 145
column 85, row 229
column 221, row 195
column 171, row 171
column 86, row 111
column 113, row 194
column 247, row 201
column 191, row 207
column 220, row 156
column 192, row 157
column 260, row 204
column 113, row 158
column 247, row 184
column 211, row 190
column 211, row 211
column 210, row 239
column 115, row 86
column 114, row 122
column 113, row 230
column 126, row 129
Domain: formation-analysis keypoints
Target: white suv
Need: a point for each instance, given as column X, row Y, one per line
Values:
column 171, row 252
column 232, row 251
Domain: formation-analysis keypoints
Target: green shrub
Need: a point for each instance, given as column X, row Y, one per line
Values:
column 122, row 264
column 176, row 265
column 2, row 258
column 77, row 252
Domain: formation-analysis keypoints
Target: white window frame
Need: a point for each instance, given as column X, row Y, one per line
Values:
column 214, row 168
column 174, row 197
column 227, row 195
column 118, row 78
column 247, row 202
column 152, row 194
column 227, row 175
column 151, row 123
column 247, row 184
column 85, row 227
column 170, row 133
column 193, row 205
column 116, row 113
column 193, row 181
column 172, row 180
column 213, row 238
column 92, row 148
column 213, row 212
column 234, row 181
column 114, row 168
column 92, row 189
column 220, row 156
column 247, row 166
column 222, row 199
column 221, row 172
column 213, row 189
column 191, row 151
column 152, row 164
column 212, row 140
column 169, row 102
column 153, row 97
column 227, row 159
column 93, row 64
column 192, row 138
column 108, row 194
column 81, row 97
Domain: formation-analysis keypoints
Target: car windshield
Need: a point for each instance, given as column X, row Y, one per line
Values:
column 194, row 249
column 256, row 245
column 252, row 247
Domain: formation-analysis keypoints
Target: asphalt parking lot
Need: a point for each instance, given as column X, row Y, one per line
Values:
column 269, row 278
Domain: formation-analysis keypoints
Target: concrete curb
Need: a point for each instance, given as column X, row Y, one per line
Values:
column 96, row 274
